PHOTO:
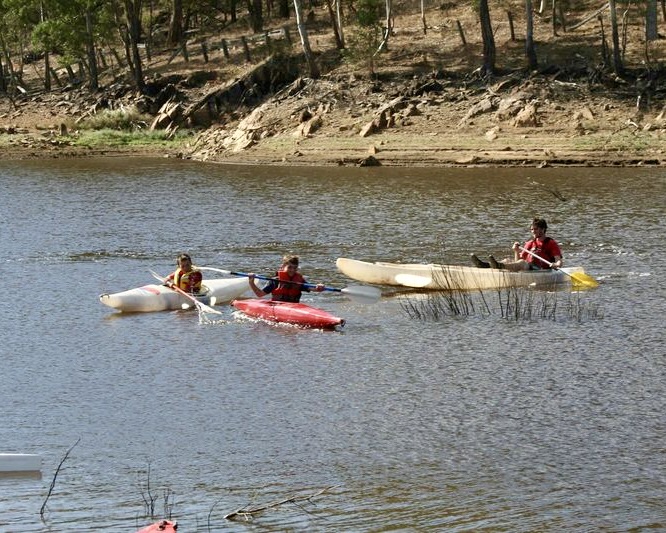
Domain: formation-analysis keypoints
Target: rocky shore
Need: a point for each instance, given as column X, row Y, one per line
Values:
column 536, row 121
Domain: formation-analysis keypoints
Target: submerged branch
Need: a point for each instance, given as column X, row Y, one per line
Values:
column 247, row 512
column 55, row 475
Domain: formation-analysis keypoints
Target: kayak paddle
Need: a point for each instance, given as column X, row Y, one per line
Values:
column 362, row 294
column 578, row 278
column 199, row 305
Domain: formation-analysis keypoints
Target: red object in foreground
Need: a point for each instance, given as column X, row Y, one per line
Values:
column 288, row 313
column 163, row 526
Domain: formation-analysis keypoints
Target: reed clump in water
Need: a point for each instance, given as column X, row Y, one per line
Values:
column 511, row 303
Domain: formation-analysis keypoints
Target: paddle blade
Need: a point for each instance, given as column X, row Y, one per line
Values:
column 583, row 280
column 362, row 294
column 413, row 280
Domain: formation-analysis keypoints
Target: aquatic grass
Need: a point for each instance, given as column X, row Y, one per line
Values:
column 511, row 303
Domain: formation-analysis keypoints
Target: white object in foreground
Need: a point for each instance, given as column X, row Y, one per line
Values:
column 20, row 462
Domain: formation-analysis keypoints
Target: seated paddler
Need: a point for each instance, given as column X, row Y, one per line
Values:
column 288, row 284
column 186, row 277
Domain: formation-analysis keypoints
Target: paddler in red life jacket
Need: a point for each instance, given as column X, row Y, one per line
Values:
column 539, row 244
column 186, row 277
column 288, row 284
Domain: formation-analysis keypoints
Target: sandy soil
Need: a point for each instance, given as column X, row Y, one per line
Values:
column 573, row 119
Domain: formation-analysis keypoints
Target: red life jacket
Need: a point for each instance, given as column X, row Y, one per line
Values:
column 288, row 289
column 187, row 281
column 542, row 250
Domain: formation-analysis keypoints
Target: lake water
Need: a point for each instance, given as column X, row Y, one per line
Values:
column 464, row 423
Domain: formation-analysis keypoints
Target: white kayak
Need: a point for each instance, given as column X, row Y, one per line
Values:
column 160, row 298
column 20, row 462
column 450, row 277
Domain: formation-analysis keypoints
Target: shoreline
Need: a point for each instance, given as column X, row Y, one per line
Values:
column 388, row 149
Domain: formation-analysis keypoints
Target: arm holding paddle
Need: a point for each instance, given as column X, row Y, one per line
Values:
column 518, row 251
column 578, row 278
column 273, row 284
column 358, row 293
column 288, row 284
column 521, row 261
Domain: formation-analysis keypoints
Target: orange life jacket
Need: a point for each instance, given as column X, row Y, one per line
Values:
column 288, row 289
column 188, row 281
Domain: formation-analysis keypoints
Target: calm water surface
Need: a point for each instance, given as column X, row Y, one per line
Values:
column 466, row 423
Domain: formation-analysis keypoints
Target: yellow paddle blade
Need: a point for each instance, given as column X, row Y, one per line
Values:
column 579, row 278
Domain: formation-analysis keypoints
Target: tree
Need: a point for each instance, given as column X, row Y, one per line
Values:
column 488, row 39
column 617, row 59
column 305, row 41
column 133, row 27
column 72, row 27
column 530, row 52
column 283, row 9
column 364, row 42
column 176, row 23
column 651, row 21
column 336, row 23
column 255, row 14
column 388, row 27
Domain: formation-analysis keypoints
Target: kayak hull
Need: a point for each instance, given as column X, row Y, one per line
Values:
column 20, row 462
column 288, row 313
column 163, row 526
column 449, row 277
column 160, row 298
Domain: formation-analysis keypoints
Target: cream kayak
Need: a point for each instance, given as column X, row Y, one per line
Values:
column 450, row 277
column 160, row 298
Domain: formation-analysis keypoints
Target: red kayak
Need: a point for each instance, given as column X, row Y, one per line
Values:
column 288, row 313
column 164, row 526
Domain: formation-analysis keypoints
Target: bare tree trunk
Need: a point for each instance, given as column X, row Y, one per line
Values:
column 388, row 29
column 338, row 16
column 617, row 60
column 530, row 52
column 176, row 23
column 488, row 39
column 334, row 22
column 423, row 18
column 133, row 14
column 554, row 17
column 511, row 28
column 8, row 61
column 47, row 63
column 305, row 41
column 651, row 20
column 3, row 85
column 283, row 9
column 254, row 8
column 93, row 83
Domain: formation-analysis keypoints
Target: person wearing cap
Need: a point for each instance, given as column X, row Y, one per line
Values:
column 288, row 284
column 541, row 245
column 186, row 277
